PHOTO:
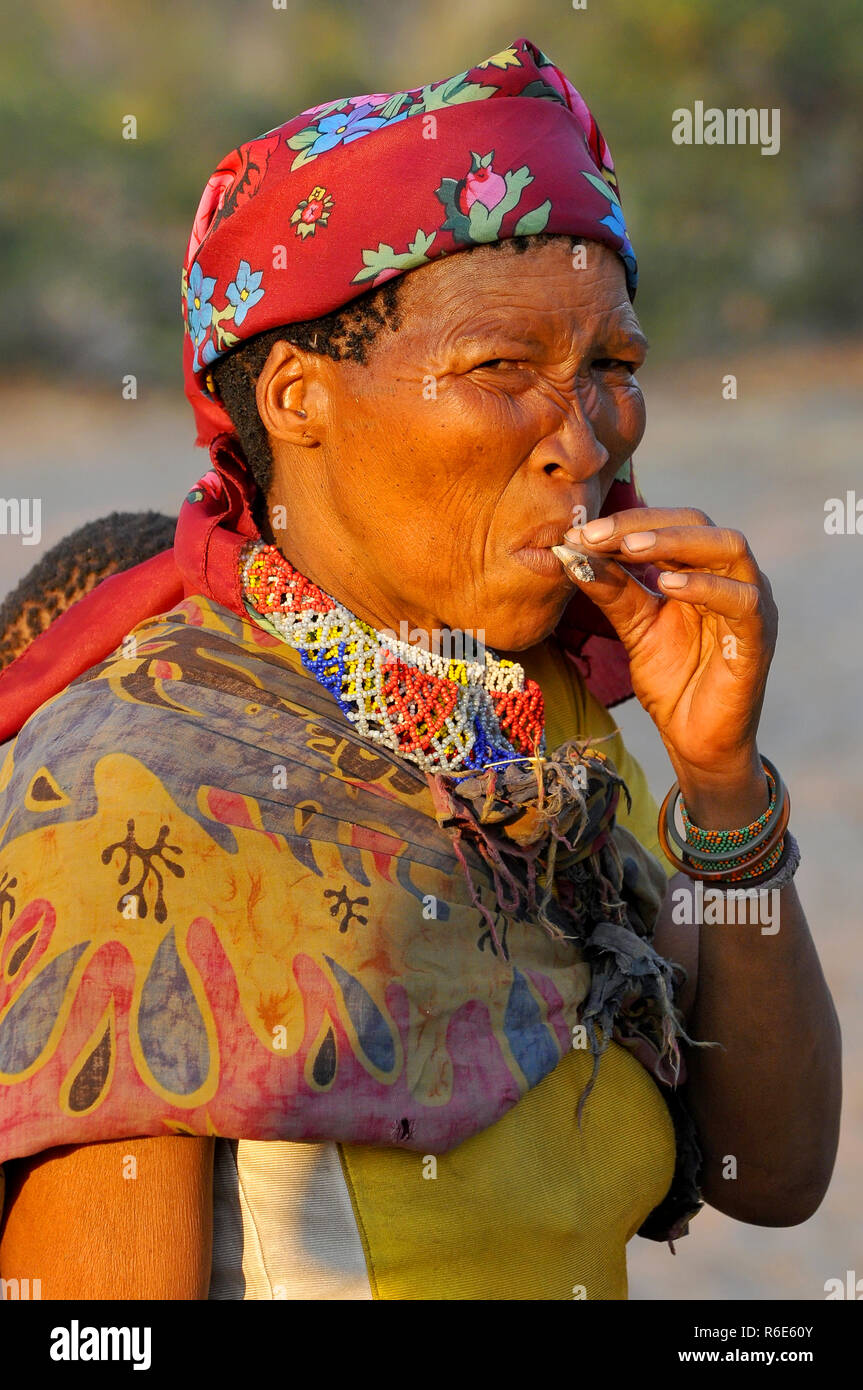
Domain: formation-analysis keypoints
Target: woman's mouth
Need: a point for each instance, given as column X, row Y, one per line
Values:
column 536, row 553
column 540, row 559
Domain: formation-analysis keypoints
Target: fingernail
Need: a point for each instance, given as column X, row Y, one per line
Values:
column 670, row 580
column 573, row 537
column 598, row 530
column 640, row 540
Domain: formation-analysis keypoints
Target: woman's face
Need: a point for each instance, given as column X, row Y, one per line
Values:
column 427, row 485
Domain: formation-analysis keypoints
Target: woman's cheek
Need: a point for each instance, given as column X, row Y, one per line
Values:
column 627, row 419
column 490, row 428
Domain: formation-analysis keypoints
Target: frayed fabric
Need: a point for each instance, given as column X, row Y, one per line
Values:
column 545, row 829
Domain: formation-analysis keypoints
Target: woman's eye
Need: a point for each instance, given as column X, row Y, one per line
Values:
column 606, row 364
column 491, row 362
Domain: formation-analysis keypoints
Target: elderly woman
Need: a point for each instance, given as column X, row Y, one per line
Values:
column 338, row 963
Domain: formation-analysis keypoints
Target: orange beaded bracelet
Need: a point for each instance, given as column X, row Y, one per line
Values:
column 759, row 854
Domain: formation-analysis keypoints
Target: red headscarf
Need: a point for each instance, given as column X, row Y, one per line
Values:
column 508, row 148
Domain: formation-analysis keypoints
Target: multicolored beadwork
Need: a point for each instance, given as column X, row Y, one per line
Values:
column 739, row 842
column 716, row 840
column 769, row 862
column 443, row 714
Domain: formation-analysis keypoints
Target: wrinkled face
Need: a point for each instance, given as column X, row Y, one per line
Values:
column 427, row 485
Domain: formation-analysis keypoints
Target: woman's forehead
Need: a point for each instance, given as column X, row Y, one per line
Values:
column 544, row 292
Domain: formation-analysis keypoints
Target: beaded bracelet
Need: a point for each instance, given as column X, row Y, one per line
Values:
column 785, row 868
column 716, row 868
column 756, row 855
column 718, row 840
column 732, row 871
column 716, row 858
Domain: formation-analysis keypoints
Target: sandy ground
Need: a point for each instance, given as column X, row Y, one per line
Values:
column 765, row 463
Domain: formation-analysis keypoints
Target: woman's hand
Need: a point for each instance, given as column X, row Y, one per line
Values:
column 699, row 653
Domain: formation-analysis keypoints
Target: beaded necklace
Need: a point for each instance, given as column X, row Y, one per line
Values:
column 443, row 714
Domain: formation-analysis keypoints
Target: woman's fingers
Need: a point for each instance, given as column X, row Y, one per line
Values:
column 699, row 563
column 730, row 598
column 628, row 604
column 669, row 536
column 606, row 528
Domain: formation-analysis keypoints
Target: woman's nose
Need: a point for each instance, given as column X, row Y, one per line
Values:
column 573, row 448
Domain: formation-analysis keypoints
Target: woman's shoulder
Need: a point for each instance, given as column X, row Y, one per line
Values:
column 195, row 688
column 199, row 725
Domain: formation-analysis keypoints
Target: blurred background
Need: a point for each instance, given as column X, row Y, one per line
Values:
column 749, row 266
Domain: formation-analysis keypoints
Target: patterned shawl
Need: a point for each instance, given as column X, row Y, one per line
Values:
column 223, row 913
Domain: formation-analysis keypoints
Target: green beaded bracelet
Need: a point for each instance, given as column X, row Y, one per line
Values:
column 736, row 839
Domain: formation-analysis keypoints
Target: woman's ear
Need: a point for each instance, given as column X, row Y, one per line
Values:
column 282, row 395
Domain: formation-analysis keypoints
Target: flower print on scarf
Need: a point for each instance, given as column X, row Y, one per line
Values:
column 207, row 323
column 615, row 223
column 475, row 208
column 340, row 126
column 209, row 353
column 344, row 120
column 237, row 179
column 312, row 212
column 477, row 204
column 507, row 58
column 198, row 306
column 482, row 185
column 385, row 262
column 244, row 291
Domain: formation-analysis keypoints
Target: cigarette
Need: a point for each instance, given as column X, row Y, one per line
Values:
column 575, row 560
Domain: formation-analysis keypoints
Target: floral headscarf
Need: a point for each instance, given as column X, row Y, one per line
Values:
column 298, row 222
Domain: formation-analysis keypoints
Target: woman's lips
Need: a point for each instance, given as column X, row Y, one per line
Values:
column 540, row 559
column 536, row 553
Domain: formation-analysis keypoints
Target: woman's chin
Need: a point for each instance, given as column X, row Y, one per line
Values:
column 515, row 627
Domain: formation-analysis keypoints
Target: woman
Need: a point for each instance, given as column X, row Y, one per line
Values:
column 332, row 950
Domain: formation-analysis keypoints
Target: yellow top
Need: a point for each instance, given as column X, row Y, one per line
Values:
column 532, row 1207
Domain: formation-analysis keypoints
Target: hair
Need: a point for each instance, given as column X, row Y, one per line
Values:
column 346, row 335
column 73, row 567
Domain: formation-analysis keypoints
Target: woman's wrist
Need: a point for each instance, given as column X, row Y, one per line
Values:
column 724, row 799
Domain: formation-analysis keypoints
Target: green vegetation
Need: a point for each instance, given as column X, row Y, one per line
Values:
column 734, row 247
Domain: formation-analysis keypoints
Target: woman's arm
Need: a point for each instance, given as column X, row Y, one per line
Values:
column 767, row 1103
column 128, row 1220
column 769, row 1098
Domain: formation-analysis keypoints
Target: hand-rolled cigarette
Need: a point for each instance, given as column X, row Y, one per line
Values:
column 575, row 560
